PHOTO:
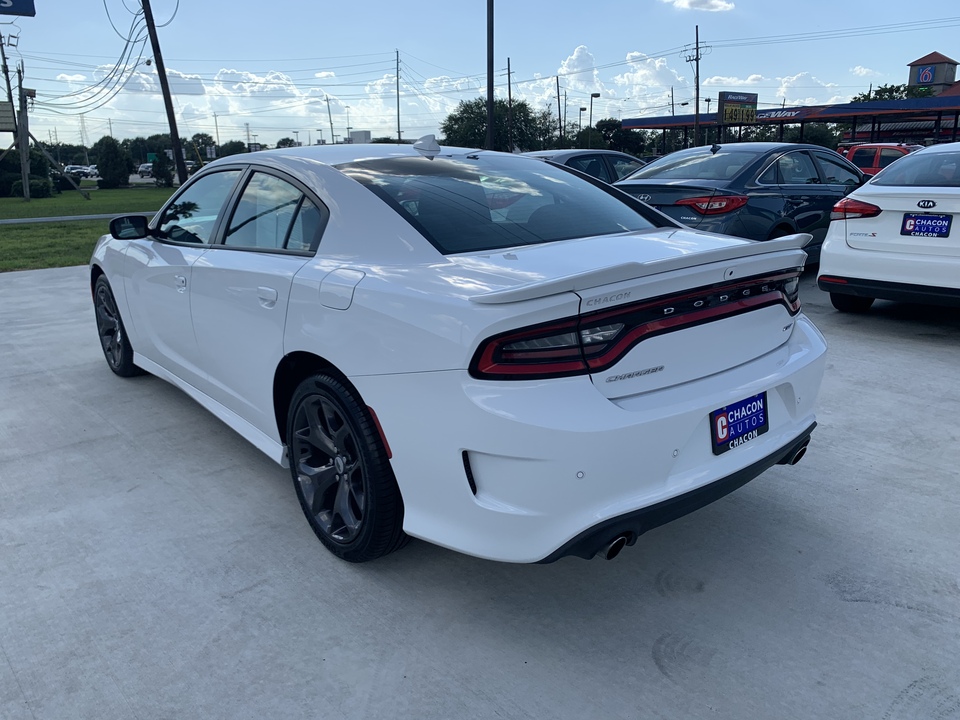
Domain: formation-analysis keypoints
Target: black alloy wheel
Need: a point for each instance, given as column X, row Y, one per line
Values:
column 113, row 337
column 341, row 472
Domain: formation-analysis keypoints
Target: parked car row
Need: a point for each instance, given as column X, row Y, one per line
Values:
column 83, row 171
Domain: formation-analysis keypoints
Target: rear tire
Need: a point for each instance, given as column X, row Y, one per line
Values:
column 341, row 472
column 851, row 303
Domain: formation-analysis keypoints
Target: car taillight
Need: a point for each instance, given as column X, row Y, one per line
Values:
column 848, row 208
column 596, row 341
column 715, row 205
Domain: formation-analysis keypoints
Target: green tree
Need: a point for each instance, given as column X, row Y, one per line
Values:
column 893, row 92
column 513, row 128
column 814, row 133
column 162, row 171
column 286, row 142
column 113, row 164
column 233, row 147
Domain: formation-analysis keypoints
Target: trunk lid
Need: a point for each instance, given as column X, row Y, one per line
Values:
column 890, row 230
column 680, row 306
column 663, row 196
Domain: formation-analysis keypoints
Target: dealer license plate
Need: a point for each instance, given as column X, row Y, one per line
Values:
column 739, row 423
column 925, row 225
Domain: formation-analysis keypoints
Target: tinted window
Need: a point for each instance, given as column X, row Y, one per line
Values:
column 863, row 157
column 934, row 169
column 592, row 165
column 797, row 168
column 484, row 202
column 264, row 213
column 192, row 215
column 888, row 155
column 836, row 171
column 624, row 166
column 699, row 164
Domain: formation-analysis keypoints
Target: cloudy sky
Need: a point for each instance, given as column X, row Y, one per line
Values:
column 242, row 69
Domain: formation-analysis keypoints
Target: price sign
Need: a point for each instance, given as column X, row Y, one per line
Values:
column 737, row 108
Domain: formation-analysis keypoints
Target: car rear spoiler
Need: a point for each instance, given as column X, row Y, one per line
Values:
column 633, row 270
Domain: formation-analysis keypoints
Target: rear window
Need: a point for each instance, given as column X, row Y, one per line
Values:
column 485, row 201
column 699, row 164
column 926, row 169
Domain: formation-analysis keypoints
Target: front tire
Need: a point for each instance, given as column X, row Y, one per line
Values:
column 851, row 303
column 341, row 472
column 113, row 337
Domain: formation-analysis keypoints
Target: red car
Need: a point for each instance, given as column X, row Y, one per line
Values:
column 874, row 157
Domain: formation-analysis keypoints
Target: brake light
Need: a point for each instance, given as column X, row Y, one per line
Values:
column 596, row 341
column 716, row 204
column 848, row 209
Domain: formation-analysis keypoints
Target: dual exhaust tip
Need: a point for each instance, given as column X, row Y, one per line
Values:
column 618, row 543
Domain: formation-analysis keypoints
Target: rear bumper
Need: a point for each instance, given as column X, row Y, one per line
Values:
column 526, row 471
column 886, row 274
column 883, row 290
column 632, row 525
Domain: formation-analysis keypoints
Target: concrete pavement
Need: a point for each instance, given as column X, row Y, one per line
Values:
column 155, row 566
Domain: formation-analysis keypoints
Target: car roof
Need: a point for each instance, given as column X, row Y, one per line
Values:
column 569, row 152
column 346, row 153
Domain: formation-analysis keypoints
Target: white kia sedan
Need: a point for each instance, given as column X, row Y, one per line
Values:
column 478, row 349
column 896, row 237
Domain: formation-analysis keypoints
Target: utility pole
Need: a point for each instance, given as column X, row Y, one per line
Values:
column 673, row 108
column 23, row 134
column 398, row 100
column 509, row 108
column 559, row 116
column 165, row 87
column 6, row 75
column 216, row 127
column 489, row 74
column 695, row 59
column 110, row 124
column 333, row 138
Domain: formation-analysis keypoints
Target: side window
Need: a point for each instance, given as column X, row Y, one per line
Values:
column 264, row 214
column 835, row 171
column 623, row 167
column 863, row 157
column 192, row 215
column 888, row 155
column 591, row 165
column 769, row 176
column 797, row 168
column 305, row 231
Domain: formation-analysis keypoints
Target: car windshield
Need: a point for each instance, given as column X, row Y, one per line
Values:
column 484, row 202
column 925, row 169
column 699, row 164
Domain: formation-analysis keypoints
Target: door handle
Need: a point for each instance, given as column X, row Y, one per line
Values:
column 268, row 296
column 181, row 282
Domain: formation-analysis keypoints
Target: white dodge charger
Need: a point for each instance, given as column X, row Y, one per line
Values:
column 481, row 350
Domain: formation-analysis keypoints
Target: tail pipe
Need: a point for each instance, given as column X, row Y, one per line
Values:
column 613, row 548
column 797, row 455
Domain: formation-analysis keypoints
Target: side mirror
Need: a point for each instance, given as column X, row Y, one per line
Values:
column 130, row 227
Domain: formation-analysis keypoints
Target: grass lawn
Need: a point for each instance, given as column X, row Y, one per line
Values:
column 47, row 245
column 61, row 244
column 121, row 200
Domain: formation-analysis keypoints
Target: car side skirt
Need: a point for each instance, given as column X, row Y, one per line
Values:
column 884, row 290
column 633, row 524
column 264, row 443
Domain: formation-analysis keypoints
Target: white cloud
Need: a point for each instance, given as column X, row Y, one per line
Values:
column 861, row 71
column 805, row 89
column 733, row 81
column 706, row 5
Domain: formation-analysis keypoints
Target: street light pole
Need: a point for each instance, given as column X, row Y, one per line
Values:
column 580, row 125
column 320, row 130
column 296, row 137
column 590, row 125
column 346, row 138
